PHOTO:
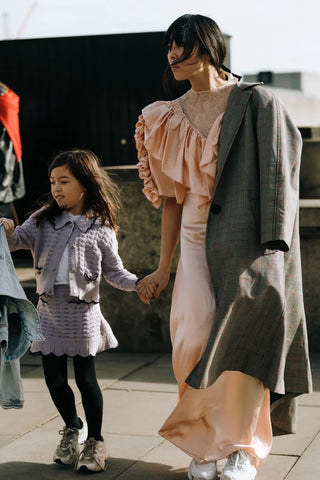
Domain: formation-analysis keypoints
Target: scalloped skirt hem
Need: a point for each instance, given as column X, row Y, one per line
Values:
column 71, row 327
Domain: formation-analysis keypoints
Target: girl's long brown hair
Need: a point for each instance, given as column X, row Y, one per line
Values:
column 102, row 198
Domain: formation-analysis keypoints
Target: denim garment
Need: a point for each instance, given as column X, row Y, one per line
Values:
column 19, row 325
column 23, row 320
column 11, row 391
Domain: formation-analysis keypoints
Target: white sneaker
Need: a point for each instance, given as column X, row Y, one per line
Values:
column 202, row 471
column 83, row 432
column 68, row 450
column 239, row 467
column 93, row 457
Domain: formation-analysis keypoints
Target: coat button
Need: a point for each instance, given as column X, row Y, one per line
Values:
column 215, row 208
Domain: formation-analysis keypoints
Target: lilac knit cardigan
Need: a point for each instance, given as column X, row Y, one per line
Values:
column 93, row 253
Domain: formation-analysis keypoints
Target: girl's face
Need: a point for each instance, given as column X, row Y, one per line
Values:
column 67, row 191
column 188, row 69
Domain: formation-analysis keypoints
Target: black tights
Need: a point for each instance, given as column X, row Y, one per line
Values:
column 56, row 376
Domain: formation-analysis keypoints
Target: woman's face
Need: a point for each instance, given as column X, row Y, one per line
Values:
column 187, row 69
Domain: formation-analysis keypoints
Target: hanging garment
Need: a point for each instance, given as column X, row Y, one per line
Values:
column 19, row 326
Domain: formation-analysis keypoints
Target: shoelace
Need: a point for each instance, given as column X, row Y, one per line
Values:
column 238, row 459
column 66, row 434
column 90, row 449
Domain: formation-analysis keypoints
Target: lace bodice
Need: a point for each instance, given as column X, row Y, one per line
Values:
column 203, row 108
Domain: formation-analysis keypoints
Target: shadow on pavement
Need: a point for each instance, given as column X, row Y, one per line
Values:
column 117, row 468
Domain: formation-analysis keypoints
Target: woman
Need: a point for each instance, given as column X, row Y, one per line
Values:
column 226, row 158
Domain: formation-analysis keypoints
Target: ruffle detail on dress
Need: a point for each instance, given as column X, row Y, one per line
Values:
column 173, row 155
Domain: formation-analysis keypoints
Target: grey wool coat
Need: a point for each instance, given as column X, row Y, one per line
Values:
column 253, row 254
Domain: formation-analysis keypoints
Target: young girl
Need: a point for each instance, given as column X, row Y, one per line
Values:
column 73, row 243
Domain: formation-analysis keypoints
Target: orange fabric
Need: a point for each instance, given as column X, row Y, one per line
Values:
column 164, row 140
column 176, row 160
column 234, row 412
column 230, row 415
column 9, row 116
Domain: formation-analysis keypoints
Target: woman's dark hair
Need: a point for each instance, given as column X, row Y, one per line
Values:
column 194, row 33
column 102, row 198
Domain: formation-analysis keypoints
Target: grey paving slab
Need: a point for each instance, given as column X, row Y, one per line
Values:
column 36, row 444
column 308, row 465
column 163, row 462
column 308, row 427
column 131, row 412
column 5, row 438
column 33, row 452
column 126, row 450
column 111, row 366
column 276, row 467
column 37, row 409
column 139, row 392
column 157, row 376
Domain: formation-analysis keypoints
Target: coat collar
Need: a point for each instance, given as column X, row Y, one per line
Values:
column 82, row 222
column 233, row 116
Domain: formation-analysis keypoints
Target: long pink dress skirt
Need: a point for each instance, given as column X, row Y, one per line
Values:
column 233, row 413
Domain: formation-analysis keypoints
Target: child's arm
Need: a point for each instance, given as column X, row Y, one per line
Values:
column 21, row 236
column 112, row 266
column 115, row 273
column 8, row 224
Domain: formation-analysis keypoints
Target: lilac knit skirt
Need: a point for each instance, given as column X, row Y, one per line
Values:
column 71, row 327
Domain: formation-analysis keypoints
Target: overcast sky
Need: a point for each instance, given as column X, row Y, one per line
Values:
column 278, row 35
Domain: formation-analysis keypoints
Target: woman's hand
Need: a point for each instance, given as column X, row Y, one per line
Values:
column 146, row 292
column 8, row 224
column 152, row 285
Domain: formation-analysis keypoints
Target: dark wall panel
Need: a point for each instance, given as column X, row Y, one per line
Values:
column 83, row 92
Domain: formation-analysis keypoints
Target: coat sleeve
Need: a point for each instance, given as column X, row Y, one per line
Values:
column 279, row 146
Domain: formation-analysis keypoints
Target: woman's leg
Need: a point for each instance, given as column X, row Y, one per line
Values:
column 56, row 376
column 86, row 379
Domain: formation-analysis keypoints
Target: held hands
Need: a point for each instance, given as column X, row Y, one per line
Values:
column 8, row 224
column 152, row 285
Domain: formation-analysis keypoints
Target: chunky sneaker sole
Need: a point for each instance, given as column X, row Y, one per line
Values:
column 93, row 457
column 68, row 450
column 85, row 468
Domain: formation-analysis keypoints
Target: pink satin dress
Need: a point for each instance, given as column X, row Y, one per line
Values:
column 177, row 160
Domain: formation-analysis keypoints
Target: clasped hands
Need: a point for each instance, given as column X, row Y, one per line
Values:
column 151, row 286
column 148, row 288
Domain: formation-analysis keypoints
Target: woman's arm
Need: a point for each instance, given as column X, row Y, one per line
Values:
column 170, row 230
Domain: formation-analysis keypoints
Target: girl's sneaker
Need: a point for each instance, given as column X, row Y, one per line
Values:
column 239, row 467
column 202, row 471
column 68, row 450
column 93, row 457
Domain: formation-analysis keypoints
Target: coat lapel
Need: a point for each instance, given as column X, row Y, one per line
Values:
column 233, row 116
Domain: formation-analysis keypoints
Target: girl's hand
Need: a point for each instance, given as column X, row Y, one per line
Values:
column 153, row 284
column 8, row 224
column 145, row 294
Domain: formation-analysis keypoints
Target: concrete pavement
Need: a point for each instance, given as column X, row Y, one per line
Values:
column 139, row 392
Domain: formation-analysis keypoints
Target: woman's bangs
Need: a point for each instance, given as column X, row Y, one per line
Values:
column 182, row 39
column 174, row 35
